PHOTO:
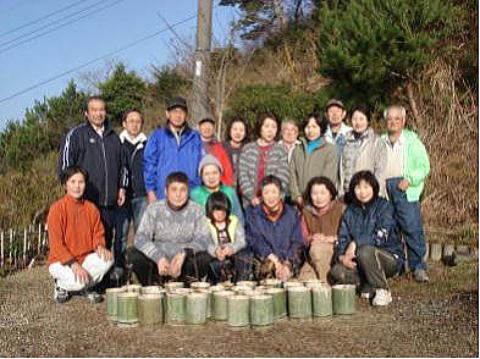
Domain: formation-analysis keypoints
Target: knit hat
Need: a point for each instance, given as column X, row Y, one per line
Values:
column 209, row 160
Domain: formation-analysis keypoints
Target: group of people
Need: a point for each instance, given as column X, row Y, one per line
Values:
column 332, row 205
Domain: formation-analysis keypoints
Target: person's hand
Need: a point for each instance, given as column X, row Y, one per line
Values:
column 176, row 265
column 299, row 201
column 273, row 258
column 319, row 237
column 348, row 260
column 104, row 253
column 81, row 275
column 227, row 251
column 121, row 197
column 255, row 201
column 163, row 266
column 151, row 197
column 403, row 185
column 219, row 254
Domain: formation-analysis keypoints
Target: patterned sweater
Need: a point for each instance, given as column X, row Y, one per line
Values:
column 164, row 232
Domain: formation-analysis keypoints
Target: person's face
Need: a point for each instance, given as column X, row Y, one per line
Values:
column 269, row 129
column 133, row 124
column 96, row 113
column 359, row 122
column 211, row 176
column 177, row 194
column 238, row 132
column 207, row 130
column 271, row 196
column 321, row 196
column 75, row 186
column 177, row 116
column 395, row 121
column 219, row 215
column 312, row 130
column 363, row 191
column 289, row 133
column 335, row 115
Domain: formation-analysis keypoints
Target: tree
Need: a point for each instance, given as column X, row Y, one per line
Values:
column 167, row 83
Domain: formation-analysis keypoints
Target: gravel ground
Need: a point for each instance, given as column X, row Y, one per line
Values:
column 439, row 319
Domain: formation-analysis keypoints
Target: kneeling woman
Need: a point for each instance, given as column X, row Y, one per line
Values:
column 78, row 258
column 369, row 249
column 273, row 231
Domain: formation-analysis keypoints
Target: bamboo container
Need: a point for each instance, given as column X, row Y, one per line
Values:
column 241, row 289
column 209, row 295
column 112, row 302
column 133, row 288
column 279, row 297
column 322, row 300
column 127, row 309
column 343, row 299
column 175, row 308
column 196, row 308
column 169, row 286
column 220, row 310
column 272, row 283
column 246, row 283
column 152, row 289
column 448, row 249
column 311, row 283
column 427, row 252
column 150, row 308
column 299, row 302
column 292, row 283
column 226, row 285
column 238, row 307
column 182, row 291
column 435, row 251
column 195, row 286
column 261, row 310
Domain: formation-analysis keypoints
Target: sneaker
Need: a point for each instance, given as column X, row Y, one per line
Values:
column 420, row 275
column 60, row 295
column 92, row 296
column 382, row 297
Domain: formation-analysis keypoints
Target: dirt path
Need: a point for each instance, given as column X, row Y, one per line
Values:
column 437, row 319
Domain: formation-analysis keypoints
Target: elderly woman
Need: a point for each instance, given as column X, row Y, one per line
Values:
column 363, row 150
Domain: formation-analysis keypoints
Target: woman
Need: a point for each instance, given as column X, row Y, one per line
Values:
column 363, row 150
column 313, row 158
column 369, row 249
column 273, row 232
column 321, row 217
column 236, row 138
column 262, row 158
column 78, row 258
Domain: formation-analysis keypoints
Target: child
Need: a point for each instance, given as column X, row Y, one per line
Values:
column 227, row 237
column 78, row 258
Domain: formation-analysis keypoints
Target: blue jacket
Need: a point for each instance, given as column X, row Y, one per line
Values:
column 163, row 156
column 372, row 225
column 282, row 238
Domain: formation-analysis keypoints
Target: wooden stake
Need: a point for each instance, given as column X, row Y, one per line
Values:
column 279, row 297
column 435, row 251
column 39, row 244
column 261, row 310
column 196, row 308
column 322, row 301
column 343, row 298
column 2, row 249
column 299, row 302
column 112, row 297
column 427, row 252
column 127, row 309
column 10, row 248
column 25, row 246
column 150, row 309
column 220, row 309
column 238, row 310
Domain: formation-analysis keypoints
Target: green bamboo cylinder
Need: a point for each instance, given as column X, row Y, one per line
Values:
column 246, row 283
column 299, row 302
column 238, row 307
column 175, row 308
column 209, row 295
column 292, row 283
column 435, row 251
column 240, row 289
column 112, row 295
column 261, row 310
column 133, row 288
column 182, row 291
column 343, row 299
column 127, row 309
column 169, row 286
column 227, row 285
column 220, row 304
column 254, row 292
column 150, row 309
column 196, row 308
column 272, row 283
column 279, row 297
column 213, row 289
column 195, row 286
column 322, row 300
column 151, row 289
column 311, row 283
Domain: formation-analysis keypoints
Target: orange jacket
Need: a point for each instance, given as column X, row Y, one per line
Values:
column 74, row 230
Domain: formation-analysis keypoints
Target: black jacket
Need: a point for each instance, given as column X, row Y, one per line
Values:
column 134, row 157
column 101, row 157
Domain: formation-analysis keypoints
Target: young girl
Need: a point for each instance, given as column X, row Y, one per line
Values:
column 78, row 258
column 369, row 249
column 227, row 237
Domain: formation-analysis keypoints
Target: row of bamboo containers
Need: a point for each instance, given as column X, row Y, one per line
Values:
column 240, row 305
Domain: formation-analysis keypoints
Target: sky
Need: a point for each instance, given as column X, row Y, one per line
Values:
column 88, row 30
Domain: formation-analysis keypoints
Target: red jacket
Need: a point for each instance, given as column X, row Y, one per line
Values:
column 216, row 149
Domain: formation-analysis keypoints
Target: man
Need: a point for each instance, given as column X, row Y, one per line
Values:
column 94, row 146
column 336, row 113
column 289, row 134
column 172, row 238
column 407, row 168
column 174, row 147
column 212, row 147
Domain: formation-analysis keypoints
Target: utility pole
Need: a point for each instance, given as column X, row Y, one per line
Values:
column 200, row 106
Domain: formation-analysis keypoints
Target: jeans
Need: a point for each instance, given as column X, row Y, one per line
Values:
column 408, row 217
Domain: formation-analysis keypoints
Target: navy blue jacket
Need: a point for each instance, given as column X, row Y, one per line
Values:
column 134, row 159
column 374, row 225
column 282, row 238
column 100, row 156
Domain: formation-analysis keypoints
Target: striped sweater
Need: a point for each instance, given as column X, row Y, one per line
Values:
column 276, row 164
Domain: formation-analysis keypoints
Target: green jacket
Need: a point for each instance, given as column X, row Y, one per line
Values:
column 200, row 195
column 416, row 165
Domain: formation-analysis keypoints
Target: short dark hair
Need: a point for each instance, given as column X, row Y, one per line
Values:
column 363, row 109
column 217, row 201
column 71, row 171
column 94, row 98
column 318, row 120
column 319, row 180
column 228, row 137
column 129, row 111
column 261, row 120
column 366, row 176
column 176, row 177
column 271, row 179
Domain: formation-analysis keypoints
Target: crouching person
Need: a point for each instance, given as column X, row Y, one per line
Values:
column 171, row 241
column 227, row 238
column 369, row 249
column 78, row 259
